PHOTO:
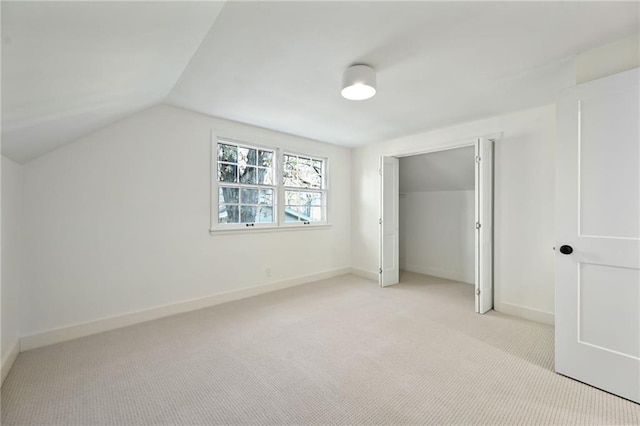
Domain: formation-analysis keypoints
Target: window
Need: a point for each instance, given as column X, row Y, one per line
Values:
column 304, row 189
column 246, row 184
column 249, row 192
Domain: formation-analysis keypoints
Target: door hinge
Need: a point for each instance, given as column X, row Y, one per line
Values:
column 478, row 158
column 380, row 221
column 380, row 172
column 380, row 271
column 478, row 292
column 478, row 225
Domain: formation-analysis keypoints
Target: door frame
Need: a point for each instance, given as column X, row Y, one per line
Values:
column 482, row 199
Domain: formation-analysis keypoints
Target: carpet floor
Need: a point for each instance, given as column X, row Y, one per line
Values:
column 338, row 351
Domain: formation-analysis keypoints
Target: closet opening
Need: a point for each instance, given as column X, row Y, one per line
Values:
column 437, row 217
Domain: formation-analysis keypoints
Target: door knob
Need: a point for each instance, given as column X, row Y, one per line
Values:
column 566, row 249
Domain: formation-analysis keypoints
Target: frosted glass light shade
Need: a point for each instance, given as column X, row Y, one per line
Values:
column 359, row 83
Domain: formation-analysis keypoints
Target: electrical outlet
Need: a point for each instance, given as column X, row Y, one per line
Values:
column 267, row 271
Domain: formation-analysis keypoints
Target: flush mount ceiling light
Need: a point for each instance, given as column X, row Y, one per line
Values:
column 359, row 83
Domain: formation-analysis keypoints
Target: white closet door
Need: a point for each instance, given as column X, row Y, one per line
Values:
column 484, row 225
column 389, row 221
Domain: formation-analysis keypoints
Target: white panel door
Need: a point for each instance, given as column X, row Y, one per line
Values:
column 598, row 234
column 484, row 225
column 389, row 222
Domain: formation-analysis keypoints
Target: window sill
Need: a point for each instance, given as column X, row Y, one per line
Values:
column 263, row 229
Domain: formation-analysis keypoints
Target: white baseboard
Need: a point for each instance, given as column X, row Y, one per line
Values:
column 439, row 272
column 9, row 359
column 64, row 334
column 370, row 275
column 525, row 312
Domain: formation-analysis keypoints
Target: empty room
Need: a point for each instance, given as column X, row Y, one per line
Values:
column 320, row 212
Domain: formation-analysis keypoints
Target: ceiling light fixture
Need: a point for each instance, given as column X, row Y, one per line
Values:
column 359, row 83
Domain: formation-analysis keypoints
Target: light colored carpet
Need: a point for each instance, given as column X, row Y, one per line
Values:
column 339, row 351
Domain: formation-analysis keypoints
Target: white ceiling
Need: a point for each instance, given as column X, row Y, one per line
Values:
column 69, row 68
column 450, row 170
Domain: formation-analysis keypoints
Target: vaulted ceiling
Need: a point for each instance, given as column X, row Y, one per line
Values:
column 69, row 68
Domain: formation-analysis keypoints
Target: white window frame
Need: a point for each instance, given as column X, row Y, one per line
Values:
column 324, row 191
column 279, row 223
column 215, row 186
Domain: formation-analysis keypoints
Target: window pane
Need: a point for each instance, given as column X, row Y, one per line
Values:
column 304, row 161
column 252, row 157
column 265, row 176
column 291, row 179
column 307, row 198
column 228, row 195
column 227, row 214
column 291, row 198
column 289, row 170
column 265, row 158
column 291, row 214
column 266, row 197
column 297, row 212
column 308, row 176
column 305, row 206
column 248, row 214
column 302, row 172
column 249, row 175
column 291, row 160
column 249, row 196
column 247, row 156
column 303, row 198
column 227, row 173
column 245, row 194
column 315, row 214
column 265, row 215
column 316, row 199
column 227, row 153
column 305, row 212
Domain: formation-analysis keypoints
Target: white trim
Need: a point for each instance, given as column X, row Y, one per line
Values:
column 435, row 271
column 278, row 187
column 447, row 144
column 261, row 229
column 63, row 334
column 370, row 275
column 283, row 188
column 9, row 359
column 524, row 312
column 484, row 201
column 247, row 226
column 215, row 184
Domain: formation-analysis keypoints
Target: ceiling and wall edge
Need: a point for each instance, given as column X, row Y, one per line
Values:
column 43, row 131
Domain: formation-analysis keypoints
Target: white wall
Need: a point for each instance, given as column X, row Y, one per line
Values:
column 447, row 170
column 523, row 205
column 11, row 259
column 437, row 234
column 119, row 220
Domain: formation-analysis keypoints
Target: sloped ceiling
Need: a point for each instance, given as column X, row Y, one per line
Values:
column 70, row 68
column 450, row 170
